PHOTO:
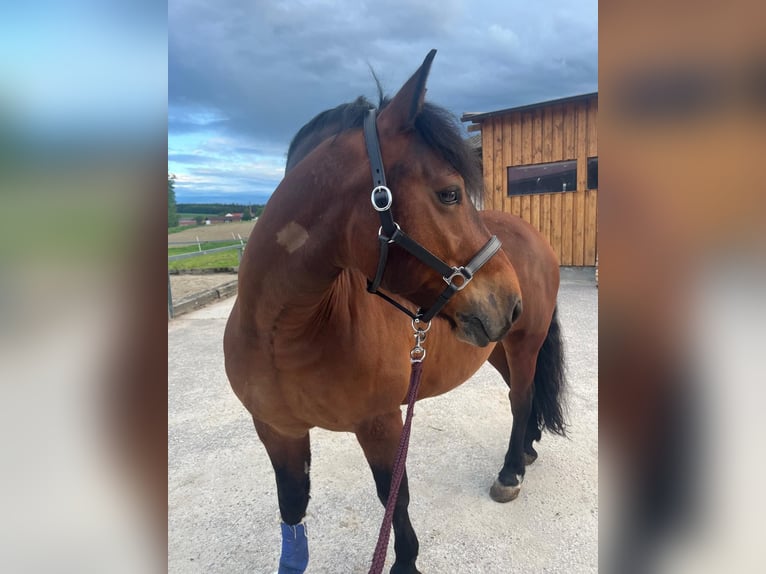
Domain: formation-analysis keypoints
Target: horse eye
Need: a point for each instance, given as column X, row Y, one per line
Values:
column 449, row 196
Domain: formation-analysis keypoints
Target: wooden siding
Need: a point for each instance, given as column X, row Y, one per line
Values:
column 550, row 133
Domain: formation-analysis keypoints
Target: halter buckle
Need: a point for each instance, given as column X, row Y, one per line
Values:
column 378, row 192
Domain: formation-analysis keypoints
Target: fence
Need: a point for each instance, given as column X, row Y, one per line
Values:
column 240, row 249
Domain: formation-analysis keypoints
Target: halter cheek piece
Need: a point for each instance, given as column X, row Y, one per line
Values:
column 390, row 233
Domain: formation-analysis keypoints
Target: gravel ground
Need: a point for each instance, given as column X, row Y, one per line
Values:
column 214, row 232
column 222, row 505
column 183, row 286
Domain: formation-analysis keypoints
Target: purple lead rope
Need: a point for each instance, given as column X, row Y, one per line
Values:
column 379, row 557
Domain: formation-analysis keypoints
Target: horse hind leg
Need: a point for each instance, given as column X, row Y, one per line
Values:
column 291, row 459
column 497, row 359
column 379, row 438
column 533, row 368
column 518, row 371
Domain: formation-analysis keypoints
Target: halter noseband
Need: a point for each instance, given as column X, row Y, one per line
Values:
column 390, row 232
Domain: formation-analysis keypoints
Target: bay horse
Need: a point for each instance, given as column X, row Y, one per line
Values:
column 306, row 345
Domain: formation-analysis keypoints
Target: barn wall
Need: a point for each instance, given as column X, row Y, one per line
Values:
column 551, row 133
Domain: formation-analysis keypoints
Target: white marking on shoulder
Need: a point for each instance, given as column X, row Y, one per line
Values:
column 292, row 236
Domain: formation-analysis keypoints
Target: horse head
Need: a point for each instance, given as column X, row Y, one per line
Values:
column 433, row 175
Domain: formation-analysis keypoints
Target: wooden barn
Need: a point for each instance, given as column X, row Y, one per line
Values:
column 541, row 163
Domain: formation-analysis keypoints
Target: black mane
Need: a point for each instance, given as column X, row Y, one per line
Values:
column 328, row 123
column 437, row 126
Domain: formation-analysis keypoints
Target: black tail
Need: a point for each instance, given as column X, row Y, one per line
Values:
column 548, row 400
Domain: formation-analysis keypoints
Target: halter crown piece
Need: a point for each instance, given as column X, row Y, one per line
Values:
column 390, row 233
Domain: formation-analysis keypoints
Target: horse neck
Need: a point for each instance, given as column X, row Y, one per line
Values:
column 308, row 235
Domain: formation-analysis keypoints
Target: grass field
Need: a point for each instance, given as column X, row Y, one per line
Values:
column 210, row 260
column 205, row 245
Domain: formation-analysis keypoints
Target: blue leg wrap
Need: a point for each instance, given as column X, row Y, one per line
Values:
column 295, row 549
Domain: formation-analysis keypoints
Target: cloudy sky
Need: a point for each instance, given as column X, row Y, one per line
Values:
column 245, row 75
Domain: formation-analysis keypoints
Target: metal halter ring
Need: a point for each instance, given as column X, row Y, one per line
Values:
column 380, row 232
column 416, row 321
column 389, row 197
column 459, row 272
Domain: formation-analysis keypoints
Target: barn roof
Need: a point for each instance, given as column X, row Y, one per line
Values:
column 480, row 116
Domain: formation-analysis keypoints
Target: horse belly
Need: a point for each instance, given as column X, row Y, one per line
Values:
column 336, row 387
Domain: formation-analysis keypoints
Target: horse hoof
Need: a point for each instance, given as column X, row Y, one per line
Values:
column 529, row 458
column 502, row 493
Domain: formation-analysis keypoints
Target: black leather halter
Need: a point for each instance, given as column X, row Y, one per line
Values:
column 390, row 233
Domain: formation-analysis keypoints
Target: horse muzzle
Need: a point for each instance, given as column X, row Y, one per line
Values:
column 483, row 324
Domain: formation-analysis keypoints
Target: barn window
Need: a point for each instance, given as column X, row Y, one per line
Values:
column 593, row 173
column 554, row 177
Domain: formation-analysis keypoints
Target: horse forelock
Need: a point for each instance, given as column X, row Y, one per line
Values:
column 437, row 127
column 440, row 130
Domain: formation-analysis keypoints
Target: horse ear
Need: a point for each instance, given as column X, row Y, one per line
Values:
column 401, row 111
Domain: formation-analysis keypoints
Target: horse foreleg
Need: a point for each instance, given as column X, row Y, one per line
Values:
column 379, row 438
column 291, row 459
column 517, row 367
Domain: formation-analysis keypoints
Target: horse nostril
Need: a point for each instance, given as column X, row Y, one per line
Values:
column 517, row 310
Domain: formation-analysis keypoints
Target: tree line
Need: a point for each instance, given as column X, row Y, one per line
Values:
column 219, row 209
column 201, row 209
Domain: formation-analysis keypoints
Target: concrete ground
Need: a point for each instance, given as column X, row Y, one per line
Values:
column 222, row 503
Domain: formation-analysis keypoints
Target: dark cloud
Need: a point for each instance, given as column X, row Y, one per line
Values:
column 257, row 71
